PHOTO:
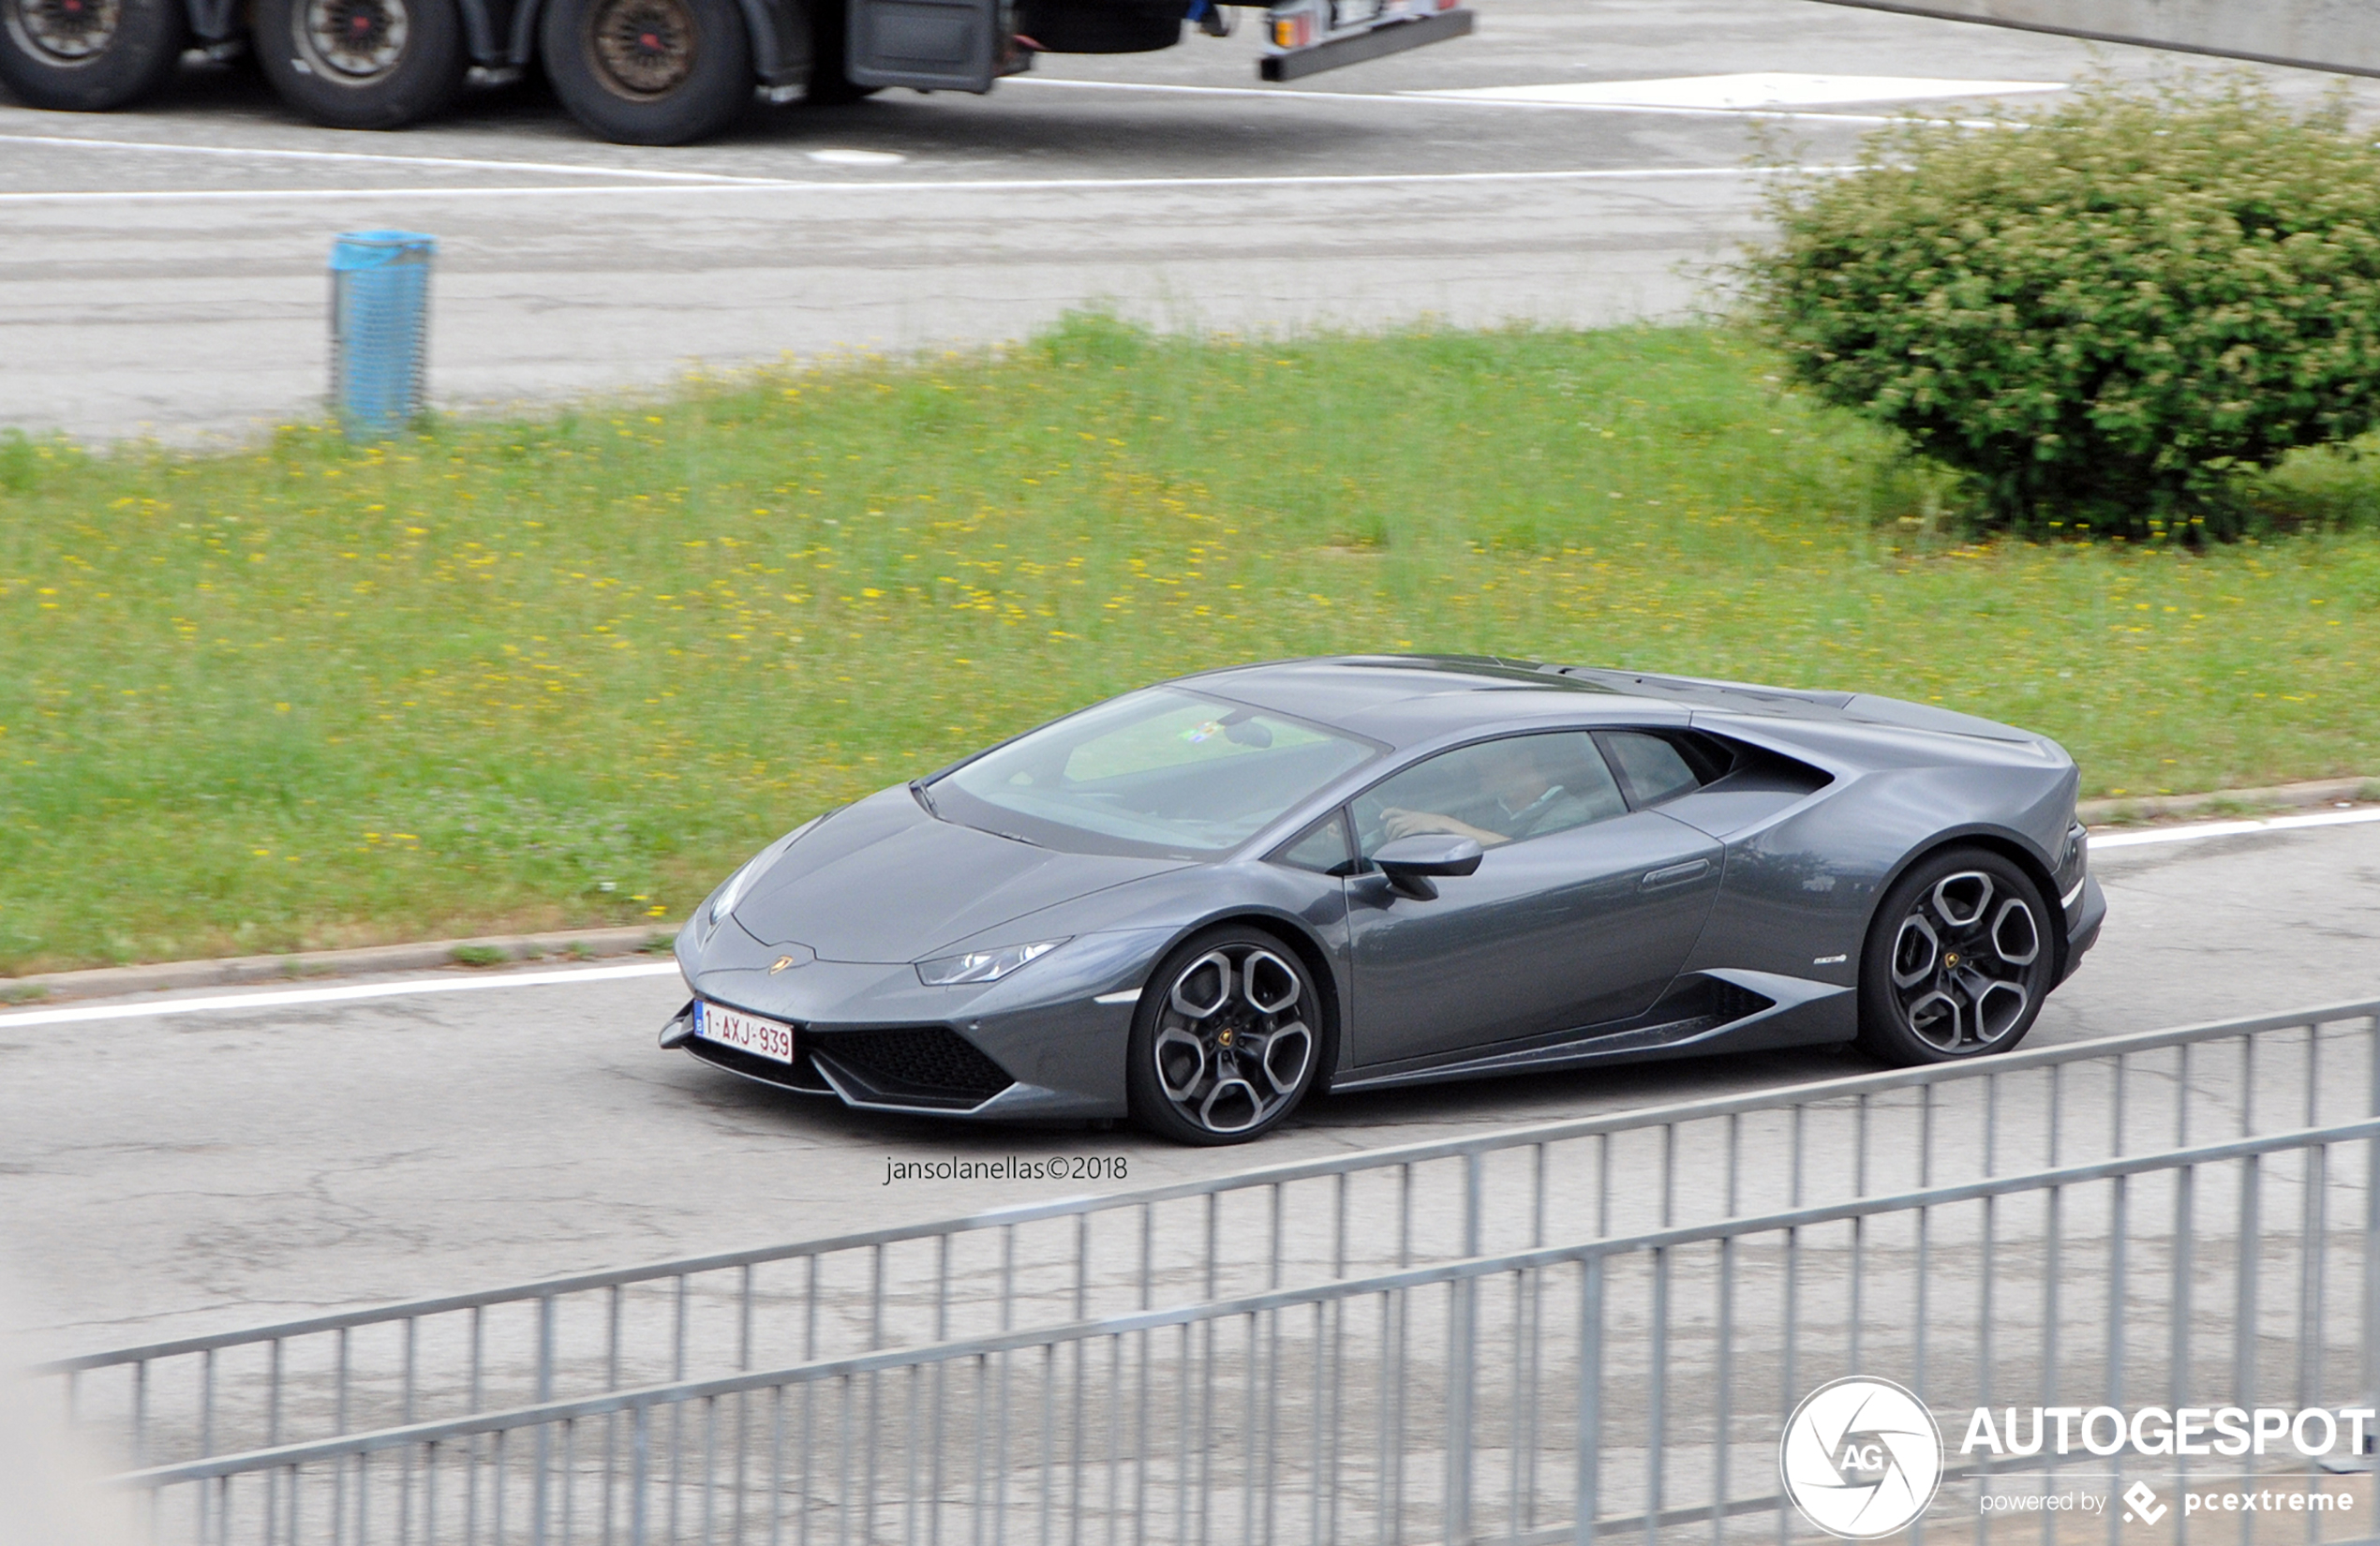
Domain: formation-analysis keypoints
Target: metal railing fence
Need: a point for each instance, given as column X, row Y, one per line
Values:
column 1310, row 1221
column 1627, row 1386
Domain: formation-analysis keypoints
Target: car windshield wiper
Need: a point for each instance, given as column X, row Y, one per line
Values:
column 918, row 788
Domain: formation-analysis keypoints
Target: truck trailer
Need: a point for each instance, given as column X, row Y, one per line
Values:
column 644, row 72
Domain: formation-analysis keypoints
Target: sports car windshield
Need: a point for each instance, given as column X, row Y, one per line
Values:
column 1160, row 772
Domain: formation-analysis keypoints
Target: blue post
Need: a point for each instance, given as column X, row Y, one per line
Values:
column 379, row 330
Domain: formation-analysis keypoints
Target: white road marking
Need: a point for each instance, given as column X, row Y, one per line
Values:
column 1722, row 96
column 289, row 998
column 988, row 185
column 1766, row 89
column 465, row 163
column 2231, row 829
column 831, row 157
column 1424, row 99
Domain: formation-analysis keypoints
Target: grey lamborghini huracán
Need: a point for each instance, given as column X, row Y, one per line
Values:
column 1199, row 904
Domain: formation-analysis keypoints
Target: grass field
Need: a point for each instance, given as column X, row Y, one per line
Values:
column 570, row 670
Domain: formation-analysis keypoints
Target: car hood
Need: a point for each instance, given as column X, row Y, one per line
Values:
column 883, row 880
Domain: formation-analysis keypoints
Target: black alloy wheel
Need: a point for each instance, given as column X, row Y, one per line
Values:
column 1227, row 1039
column 89, row 56
column 362, row 64
column 648, row 72
column 1959, row 961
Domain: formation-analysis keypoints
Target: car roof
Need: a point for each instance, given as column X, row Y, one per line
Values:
column 1406, row 699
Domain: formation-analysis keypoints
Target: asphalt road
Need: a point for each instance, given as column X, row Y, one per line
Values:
column 170, row 1174
column 161, row 271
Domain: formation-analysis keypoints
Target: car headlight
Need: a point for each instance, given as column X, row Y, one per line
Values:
column 982, row 965
column 733, row 892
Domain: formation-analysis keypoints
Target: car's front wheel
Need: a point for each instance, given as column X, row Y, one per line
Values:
column 88, row 55
column 1227, row 1039
column 1959, row 961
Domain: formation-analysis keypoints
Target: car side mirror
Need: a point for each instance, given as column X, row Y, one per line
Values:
column 1410, row 862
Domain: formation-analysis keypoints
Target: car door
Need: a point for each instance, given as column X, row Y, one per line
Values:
column 1580, row 912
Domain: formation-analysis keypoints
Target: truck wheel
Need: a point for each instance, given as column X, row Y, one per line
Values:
column 88, row 55
column 648, row 72
column 362, row 64
column 829, row 56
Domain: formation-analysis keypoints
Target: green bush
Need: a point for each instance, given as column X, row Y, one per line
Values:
column 2102, row 311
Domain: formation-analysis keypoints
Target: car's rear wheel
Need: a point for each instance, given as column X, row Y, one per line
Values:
column 649, row 73
column 362, row 64
column 1959, row 961
column 88, row 55
column 1226, row 1040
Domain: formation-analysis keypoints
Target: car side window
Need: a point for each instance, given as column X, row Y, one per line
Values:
column 1650, row 766
column 1324, row 849
column 1497, row 792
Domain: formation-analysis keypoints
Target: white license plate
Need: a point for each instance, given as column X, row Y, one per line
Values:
column 1352, row 13
column 753, row 1033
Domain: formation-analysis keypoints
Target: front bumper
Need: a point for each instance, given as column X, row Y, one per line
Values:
column 1052, row 1034
column 2084, row 915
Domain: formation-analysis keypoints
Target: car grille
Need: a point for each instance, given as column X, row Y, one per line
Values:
column 920, row 1061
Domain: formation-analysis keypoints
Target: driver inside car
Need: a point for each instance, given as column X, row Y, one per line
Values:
column 1529, row 785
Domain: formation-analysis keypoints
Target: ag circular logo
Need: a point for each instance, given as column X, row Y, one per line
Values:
column 1861, row 1458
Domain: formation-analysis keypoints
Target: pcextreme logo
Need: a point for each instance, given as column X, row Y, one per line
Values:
column 1861, row 1458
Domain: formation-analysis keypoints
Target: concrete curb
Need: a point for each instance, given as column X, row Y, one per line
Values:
column 589, row 943
column 2124, row 808
column 233, row 971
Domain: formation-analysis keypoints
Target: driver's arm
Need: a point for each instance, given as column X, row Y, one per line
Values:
column 1401, row 822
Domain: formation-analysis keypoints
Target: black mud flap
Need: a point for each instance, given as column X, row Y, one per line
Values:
column 933, row 45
